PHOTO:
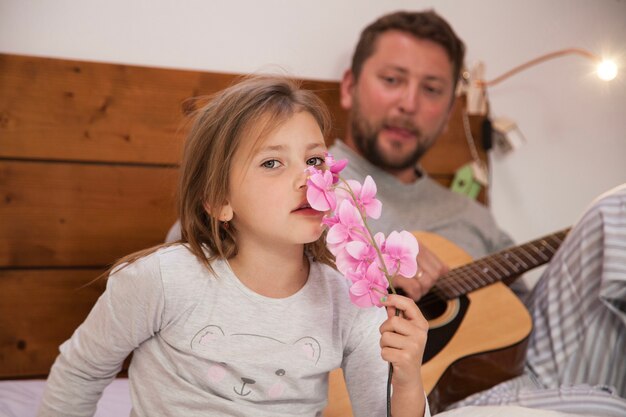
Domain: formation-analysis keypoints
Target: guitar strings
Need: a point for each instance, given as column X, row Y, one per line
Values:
column 467, row 278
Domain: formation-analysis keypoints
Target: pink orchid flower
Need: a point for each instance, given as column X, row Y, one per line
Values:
column 400, row 253
column 368, row 290
column 320, row 193
column 334, row 166
column 344, row 262
column 354, row 276
column 366, row 197
column 350, row 226
column 358, row 255
column 356, row 252
column 330, row 221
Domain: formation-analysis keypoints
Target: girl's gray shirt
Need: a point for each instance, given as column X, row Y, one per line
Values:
column 204, row 344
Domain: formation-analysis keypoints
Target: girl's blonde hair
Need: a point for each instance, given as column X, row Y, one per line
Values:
column 255, row 106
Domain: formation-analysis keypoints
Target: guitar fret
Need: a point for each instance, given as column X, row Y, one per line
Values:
column 529, row 256
column 539, row 251
column 469, row 271
column 554, row 249
column 487, row 272
column 477, row 272
column 513, row 265
column 520, row 260
column 464, row 281
column 499, row 264
column 463, row 289
column 445, row 286
column 476, row 276
column 458, row 289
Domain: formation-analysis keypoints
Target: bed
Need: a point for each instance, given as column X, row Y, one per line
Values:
column 89, row 156
column 20, row 399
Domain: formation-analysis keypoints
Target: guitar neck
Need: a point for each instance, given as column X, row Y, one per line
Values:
column 500, row 266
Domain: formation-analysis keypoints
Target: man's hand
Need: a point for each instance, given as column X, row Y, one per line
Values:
column 430, row 268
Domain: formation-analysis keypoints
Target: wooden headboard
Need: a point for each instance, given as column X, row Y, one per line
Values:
column 89, row 154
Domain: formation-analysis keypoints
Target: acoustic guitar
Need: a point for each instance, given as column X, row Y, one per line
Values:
column 478, row 329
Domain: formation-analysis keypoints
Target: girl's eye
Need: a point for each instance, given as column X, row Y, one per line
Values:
column 272, row 163
column 315, row 161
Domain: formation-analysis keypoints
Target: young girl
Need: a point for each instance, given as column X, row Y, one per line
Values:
column 245, row 316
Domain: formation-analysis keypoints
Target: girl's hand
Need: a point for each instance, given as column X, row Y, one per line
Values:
column 403, row 339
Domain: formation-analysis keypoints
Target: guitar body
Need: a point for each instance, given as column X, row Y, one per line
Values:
column 476, row 341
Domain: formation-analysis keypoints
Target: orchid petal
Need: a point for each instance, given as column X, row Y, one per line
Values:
column 337, row 234
column 368, row 191
column 374, row 208
column 339, row 166
column 400, row 253
column 320, row 193
column 317, row 199
column 376, row 276
column 344, row 261
column 357, row 249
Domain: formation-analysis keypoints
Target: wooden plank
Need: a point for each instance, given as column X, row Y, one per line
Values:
column 75, row 110
column 39, row 310
column 451, row 151
column 71, row 214
column 59, row 109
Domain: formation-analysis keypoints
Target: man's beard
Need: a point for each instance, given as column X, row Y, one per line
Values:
column 365, row 137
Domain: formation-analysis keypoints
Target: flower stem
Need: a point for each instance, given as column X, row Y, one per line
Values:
column 370, row 236
column 389, row 377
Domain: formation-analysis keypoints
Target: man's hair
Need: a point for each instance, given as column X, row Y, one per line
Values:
column 426, row 25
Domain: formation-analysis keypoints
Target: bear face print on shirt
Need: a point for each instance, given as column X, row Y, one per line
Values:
column 258, row 368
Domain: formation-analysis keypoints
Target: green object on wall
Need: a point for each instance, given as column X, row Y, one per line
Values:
column 465, row 183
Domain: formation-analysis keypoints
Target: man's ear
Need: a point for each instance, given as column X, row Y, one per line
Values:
column 224, row 214
column 346, row 89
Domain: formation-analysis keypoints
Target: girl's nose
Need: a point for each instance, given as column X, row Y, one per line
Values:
column 301, row 179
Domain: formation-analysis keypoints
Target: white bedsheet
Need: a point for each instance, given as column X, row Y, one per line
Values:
column 20, row 398
column 504, row 411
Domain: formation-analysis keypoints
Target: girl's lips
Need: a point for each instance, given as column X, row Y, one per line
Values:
column 305, row 208
column 302, row 206
column 308, row 212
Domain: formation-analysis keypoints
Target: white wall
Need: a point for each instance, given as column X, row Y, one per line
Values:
column 574, row 124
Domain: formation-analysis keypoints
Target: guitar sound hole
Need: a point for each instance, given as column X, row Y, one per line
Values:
column 432, row 306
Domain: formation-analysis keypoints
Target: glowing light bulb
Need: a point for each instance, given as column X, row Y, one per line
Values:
column 607, row 70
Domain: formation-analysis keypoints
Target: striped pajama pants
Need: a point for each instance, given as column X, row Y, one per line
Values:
column 576, row 357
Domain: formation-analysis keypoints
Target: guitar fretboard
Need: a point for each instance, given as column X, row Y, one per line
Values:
column 499, row 266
